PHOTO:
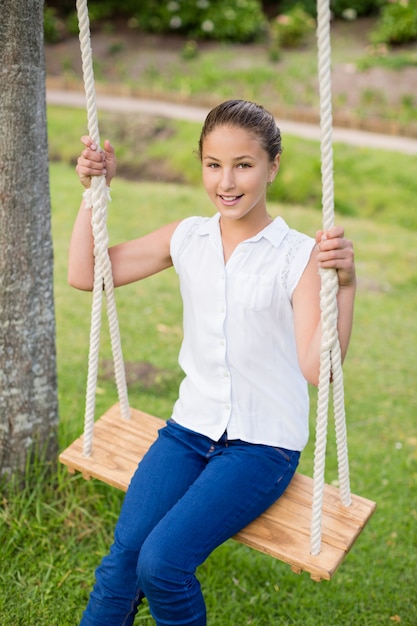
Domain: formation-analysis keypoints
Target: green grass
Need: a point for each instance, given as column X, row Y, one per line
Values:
column 383, row 57
column 54, row 530
column 368, row 183
column 158, row 68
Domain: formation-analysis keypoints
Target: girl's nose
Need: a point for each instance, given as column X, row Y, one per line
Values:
column 227, row 180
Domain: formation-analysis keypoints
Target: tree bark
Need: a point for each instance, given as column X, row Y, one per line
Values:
column 28, row 382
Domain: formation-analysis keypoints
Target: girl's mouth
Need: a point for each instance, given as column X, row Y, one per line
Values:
column 230, row 200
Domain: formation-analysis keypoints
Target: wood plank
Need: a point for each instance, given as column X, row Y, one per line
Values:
column 283, row 531
column 118, row 446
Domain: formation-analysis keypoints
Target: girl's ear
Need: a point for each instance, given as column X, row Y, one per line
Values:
column 273, row 171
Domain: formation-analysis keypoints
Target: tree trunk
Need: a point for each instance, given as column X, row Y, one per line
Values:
column 28, row 385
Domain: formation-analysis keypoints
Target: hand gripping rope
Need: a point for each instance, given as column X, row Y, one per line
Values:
column 103, row 278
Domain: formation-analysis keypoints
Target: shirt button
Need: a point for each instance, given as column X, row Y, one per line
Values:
column 226, row 374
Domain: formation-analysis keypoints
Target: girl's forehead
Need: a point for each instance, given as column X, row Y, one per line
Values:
column 229, row 137
column 228, row 129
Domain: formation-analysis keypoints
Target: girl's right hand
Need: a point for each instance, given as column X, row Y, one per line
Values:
column 95, row 162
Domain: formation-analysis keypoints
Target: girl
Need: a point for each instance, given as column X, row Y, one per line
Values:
column 250, row 289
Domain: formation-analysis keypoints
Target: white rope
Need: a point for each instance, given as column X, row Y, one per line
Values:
column 330, row 354
column 103, row 277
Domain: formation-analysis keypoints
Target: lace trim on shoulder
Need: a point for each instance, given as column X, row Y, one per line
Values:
column 293, row 240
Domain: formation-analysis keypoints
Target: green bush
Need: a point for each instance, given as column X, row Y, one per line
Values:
column 339, row 8
column 309, row 6
column 289, row 30
column 221, row 20
column 397, row 23
column 355, row 8
column 53, row 26
column 60, row 19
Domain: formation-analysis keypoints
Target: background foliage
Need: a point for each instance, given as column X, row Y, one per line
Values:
column 230, row 20
column 398, row 23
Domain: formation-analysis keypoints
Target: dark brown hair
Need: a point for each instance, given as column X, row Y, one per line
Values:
column 249, row 116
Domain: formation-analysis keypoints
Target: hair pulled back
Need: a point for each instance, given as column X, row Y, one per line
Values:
column 248, row 116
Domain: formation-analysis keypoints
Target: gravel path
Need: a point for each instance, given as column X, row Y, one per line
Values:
column 192, row 113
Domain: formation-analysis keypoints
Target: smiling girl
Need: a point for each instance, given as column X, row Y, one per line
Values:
column 250, row 288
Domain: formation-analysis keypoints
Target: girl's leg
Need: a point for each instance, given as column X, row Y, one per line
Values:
column 240, row 482
column 162, row 477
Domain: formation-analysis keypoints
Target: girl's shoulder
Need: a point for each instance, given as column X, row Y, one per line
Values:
column 296, row 249
column 191, row 223
column 185, row 231
column 287, row 237
column 188, row 226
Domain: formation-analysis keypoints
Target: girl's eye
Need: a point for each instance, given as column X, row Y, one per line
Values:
column 244, row 165
column 213, row 165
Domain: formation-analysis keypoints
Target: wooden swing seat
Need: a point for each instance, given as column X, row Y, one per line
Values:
column 283, row 531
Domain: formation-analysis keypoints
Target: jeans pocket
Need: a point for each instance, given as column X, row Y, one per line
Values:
column 287, row 461
column 285, row 453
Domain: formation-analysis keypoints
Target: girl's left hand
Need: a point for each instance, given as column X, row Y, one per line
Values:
column 334, row 251
column 95, row 162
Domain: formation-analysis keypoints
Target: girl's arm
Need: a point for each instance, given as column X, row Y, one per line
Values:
column 131, row 260
column 332, row 251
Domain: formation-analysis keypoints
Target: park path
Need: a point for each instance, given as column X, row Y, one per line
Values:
column 122, row 104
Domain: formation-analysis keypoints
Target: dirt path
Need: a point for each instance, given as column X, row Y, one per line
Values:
column 128, row 62
column 193, row 113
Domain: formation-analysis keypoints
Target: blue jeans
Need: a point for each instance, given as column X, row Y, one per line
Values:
column 188, row 495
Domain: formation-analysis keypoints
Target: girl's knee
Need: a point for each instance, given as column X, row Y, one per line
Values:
column 151, row 566
column 159, row 569
column 173, row 593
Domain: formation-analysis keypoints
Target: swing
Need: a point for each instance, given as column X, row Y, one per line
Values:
column 313, row 525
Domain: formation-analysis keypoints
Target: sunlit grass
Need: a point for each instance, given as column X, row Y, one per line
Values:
column 368, row 183
column 54, row 530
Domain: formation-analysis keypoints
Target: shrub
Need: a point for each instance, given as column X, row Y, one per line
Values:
column 53, row 26
column 397, row 23
column 358, row 8
column 339, row 8
column 289, row 30
column 221, row 20
column 309, row 6
column 60, row 18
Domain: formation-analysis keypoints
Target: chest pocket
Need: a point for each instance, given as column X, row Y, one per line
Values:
column 253, row 291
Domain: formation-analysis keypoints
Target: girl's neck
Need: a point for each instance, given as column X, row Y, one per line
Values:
column 242, row 229
column 233, row 232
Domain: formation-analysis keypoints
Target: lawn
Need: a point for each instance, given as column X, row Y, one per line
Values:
column 55, row 530
column 369, row 88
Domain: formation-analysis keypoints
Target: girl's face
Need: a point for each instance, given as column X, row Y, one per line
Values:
column 236, row 171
